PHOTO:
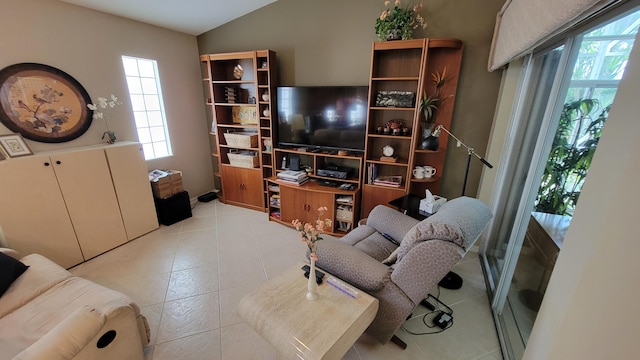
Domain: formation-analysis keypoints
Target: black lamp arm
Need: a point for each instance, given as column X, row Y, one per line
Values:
column 470, row 150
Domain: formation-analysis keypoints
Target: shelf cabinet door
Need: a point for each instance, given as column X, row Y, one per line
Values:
column 243, row 186
column 303, row 205
column 292, row 204
column 314, row 201
column 85, row 182
column 33, row 214
column 131, row 183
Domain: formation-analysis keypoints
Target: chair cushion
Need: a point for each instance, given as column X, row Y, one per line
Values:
column 430, row 230
column 376, row 246
column 10, row 270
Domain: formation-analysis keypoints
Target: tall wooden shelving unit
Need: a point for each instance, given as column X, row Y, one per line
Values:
column 407, row 66
column 236, row 83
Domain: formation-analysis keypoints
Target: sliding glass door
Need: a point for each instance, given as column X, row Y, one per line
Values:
column 561, row 108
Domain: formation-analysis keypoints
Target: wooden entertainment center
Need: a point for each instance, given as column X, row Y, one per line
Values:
column 241, row 90
column 301, row 202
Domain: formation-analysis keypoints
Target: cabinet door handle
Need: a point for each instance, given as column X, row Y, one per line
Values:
column 46, row 163
column 58, row 162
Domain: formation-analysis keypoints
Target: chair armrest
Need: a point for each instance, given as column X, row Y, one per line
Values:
column 424, row 266
column 389, row 221
column 10, row 252
column 351, row 265
column 68, row 338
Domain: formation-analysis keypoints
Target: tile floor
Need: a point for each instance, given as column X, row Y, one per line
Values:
column 188, row 278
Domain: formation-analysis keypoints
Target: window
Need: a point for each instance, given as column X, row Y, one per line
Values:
column 148, row 109
column 561, row 108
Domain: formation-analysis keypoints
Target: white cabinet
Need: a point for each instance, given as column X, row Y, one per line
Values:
column 33, row 214
column 131, row 182
column 67, row 206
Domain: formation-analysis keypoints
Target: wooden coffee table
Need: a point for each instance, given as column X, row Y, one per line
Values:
column 307, row 329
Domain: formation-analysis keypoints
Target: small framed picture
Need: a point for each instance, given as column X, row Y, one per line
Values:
column 14, row 145
column 3, row 156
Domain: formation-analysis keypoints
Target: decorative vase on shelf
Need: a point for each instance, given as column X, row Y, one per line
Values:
column 109, row 136
column 394, row 34
column 312, row 286
column 428, row 141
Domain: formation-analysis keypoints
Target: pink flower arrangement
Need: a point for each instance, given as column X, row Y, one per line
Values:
column 310, row 233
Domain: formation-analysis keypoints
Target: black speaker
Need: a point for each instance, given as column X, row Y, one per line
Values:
column 294, row 163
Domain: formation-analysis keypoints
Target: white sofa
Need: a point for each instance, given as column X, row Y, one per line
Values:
column 47, row 313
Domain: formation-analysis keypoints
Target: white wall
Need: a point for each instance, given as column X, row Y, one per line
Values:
column 88, row 45
column 590, row 307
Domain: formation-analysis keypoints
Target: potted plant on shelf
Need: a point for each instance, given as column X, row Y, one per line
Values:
column 429, row 105
column 398, row 22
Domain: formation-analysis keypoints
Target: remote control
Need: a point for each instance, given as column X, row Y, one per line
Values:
column 319, row 274
column 343, row 286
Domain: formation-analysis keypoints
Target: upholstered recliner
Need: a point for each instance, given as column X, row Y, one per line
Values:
column 401, row 276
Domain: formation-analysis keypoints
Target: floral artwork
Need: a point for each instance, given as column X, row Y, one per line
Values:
column 43, row 103
column 310, row 233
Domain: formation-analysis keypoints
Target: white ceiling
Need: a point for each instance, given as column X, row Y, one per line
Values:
column 188, row 16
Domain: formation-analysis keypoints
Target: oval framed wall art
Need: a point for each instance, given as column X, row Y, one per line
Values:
column 43, row 103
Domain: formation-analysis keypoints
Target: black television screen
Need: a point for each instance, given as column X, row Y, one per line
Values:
column 329, row 117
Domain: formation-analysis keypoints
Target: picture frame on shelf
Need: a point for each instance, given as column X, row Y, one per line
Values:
column 14, row 145
column 43, row 103
column 3, row 156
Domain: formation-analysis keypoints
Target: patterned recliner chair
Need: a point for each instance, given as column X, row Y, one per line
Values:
column 401, row 276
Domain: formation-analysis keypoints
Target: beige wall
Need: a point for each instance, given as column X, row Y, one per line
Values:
column 329, row 43
column 87, row 45
column 590, row 307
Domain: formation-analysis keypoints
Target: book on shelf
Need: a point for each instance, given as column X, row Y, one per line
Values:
column 345, row 199
column 292, row 175
column 393, row 180
column 372, row 171
column 293, row 182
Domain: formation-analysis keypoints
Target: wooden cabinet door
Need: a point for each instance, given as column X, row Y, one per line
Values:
column 87, row 188
column 317, row 199
column 131, row 182
column 33, row 214
column 253, row 188
column 231, row 185
column 303, row 205
column 243, row 186
column 292, row 204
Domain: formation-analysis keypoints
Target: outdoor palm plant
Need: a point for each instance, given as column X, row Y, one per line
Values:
column 571, row 154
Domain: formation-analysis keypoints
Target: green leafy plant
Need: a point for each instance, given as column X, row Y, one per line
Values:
column 571, row 154
column 430, row 103
column 403, row 20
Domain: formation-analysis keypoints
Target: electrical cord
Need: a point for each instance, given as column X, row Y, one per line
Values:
column 435, row 309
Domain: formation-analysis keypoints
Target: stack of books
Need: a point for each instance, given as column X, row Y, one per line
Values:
column 293, row 177
column 394, row 181
column 230, row 94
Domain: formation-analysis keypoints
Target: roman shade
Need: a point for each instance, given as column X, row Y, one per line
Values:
column 522, row 25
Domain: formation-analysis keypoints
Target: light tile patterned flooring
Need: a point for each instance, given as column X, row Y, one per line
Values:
column 189, row 277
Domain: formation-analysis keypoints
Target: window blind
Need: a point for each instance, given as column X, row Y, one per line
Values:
column 522, row 25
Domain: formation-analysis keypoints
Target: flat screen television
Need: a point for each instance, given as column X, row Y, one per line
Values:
column 322, row 117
